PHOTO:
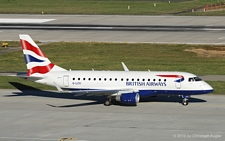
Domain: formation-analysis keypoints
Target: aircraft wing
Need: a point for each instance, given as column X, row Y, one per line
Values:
column 102, row 92
column 94, row 92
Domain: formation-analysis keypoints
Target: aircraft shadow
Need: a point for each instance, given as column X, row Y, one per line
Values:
column 75, row 105
column 171, row 98
column 31, row 91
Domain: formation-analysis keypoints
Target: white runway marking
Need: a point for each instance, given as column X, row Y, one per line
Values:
column 214, row 29
column 7, row 20
column 221, row 38
column 15, row 138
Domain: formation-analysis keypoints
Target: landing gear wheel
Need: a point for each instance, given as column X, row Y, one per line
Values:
column 185, row 102
column 107, row 103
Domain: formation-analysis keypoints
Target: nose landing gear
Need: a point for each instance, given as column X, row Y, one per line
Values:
column 185, row 100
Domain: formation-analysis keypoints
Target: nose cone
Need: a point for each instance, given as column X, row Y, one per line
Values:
column 207, row 88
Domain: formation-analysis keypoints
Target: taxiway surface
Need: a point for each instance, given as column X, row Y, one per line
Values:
column 40, row 116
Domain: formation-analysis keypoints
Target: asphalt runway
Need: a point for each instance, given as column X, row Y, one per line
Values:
column 41, row 115
column 91, row 28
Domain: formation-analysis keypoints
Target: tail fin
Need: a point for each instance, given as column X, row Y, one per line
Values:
column 37, row 62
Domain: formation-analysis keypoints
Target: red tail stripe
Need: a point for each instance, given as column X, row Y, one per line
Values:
column 27, row 46
column 40, row 69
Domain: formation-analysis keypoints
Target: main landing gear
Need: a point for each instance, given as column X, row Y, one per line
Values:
column 185, row 100
column 108, row 102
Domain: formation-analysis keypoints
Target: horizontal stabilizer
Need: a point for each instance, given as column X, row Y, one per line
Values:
column 24, row 75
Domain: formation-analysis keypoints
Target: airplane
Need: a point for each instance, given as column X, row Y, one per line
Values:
column 126, row 87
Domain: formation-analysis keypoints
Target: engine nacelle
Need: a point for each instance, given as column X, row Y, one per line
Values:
column 128, row 98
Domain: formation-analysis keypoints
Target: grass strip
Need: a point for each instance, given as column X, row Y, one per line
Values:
column 105, row 7
column 108, row 56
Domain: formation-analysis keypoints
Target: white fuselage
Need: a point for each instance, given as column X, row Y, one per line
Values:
column 146, row 82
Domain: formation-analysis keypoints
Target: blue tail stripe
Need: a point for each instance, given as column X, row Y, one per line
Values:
column 29, row 58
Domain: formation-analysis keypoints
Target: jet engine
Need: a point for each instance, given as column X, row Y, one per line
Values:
column 128, row 98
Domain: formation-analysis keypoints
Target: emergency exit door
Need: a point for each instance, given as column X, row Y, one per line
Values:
column 66, row 80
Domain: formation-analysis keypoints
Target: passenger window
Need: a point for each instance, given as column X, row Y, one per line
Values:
column 127, row 79
column 121, row 79
column 164, row 79
column 132, row 79
column 138, row 79
column 73, row 78
column 89, row 79
column 143, row 79
column 105, row 79
column 153, row 79
column 83, row 78
column 110, row 79
column 94, row 79
column 78, row 78
column 148, row 79
column 115, row 79
column 99, row 79
column 159, row 79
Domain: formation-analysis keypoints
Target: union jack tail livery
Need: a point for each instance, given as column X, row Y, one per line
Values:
column 36, row 61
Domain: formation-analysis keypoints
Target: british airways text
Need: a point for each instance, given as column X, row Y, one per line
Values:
column 146, row 84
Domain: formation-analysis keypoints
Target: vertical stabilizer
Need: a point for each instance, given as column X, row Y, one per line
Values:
column 36, row 61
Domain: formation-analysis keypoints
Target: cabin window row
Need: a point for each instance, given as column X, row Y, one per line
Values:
column 111, row 79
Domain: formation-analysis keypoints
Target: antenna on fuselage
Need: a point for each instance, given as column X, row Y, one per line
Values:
column 124, row 67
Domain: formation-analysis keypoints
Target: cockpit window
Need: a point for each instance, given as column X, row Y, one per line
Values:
column 197, row 79
column 192, row 79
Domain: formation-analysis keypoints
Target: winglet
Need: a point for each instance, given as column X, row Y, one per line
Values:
column 124, row 67
column 58, row 88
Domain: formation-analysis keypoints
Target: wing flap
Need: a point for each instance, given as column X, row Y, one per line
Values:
column 94, row 92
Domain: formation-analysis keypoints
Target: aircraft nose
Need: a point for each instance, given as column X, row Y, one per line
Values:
column 207, row 88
